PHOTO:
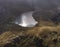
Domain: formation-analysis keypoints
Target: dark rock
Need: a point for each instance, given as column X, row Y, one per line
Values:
column 10, row 45
column 39, row 42
column 55, row 41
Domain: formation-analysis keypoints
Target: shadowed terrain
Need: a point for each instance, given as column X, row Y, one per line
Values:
column 45, row 34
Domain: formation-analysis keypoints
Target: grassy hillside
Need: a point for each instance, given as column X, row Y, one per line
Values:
column 45, row 34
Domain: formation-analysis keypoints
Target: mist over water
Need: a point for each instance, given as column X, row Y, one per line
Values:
column 26, row 20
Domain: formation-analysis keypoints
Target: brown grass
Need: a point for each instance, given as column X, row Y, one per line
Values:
column 28, row 36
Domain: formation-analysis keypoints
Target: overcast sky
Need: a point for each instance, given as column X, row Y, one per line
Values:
column 36, row 3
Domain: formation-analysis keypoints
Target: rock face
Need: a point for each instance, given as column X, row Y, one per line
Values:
column 56, row 18
column 13, row 8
